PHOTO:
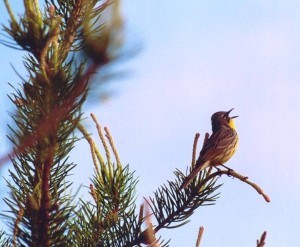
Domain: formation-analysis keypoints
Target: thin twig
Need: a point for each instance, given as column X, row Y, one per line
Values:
column 111, row 142
column 200, row 234
column 195, row 144
column 261, row 242
column 205, row 139
column 238, row 176
column 148, row 236
column 100, row 133
column 197, row 136
column 92, row 144
column 141, row 215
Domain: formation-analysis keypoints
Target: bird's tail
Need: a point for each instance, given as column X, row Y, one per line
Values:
column 193, row 174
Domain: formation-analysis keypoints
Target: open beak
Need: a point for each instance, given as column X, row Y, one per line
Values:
column 227, row 114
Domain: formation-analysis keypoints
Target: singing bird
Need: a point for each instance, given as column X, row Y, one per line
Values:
column 219, row 147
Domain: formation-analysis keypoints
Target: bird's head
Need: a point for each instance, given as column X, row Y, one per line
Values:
column 221, row 119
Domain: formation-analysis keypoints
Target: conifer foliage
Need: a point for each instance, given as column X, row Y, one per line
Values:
column 48, row 109
column 66, row 43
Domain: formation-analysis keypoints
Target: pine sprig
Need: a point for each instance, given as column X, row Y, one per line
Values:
column 110, row 219
column 112, row 212
column 170, row 205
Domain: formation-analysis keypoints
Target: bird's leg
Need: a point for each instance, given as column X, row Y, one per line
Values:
column 229, row 169
column 218, row 169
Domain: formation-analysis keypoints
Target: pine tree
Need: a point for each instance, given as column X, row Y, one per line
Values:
column 66, row 44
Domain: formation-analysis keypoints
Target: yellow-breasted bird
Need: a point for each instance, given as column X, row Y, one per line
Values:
column 219, row 147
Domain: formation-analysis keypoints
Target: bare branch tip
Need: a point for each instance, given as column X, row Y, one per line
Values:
column 205, row 139
column 200, row 235
column 261, row 242
column 196, row 138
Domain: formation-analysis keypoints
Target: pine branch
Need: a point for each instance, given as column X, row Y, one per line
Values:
column 100, row 54
column 232, row 173
column 48, row 108
column 171, row 205
column 112, row 212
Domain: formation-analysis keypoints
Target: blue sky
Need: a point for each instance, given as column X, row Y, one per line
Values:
column 200, row 57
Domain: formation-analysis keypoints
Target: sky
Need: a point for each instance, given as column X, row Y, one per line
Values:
column 196, row 58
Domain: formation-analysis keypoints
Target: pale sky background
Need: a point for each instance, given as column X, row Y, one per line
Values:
column 200, row 57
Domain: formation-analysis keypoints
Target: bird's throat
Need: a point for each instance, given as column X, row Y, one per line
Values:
column 231, row 124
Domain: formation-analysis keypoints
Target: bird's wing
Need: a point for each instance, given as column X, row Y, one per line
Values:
column 216, row 144
column 214, row 147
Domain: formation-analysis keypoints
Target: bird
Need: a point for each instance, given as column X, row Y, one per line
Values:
column 219, row 147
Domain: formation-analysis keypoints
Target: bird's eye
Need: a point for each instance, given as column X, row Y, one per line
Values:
column 225, row 117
